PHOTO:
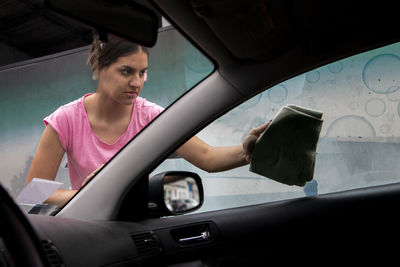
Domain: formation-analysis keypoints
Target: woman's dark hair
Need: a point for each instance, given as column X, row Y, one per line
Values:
column 103, row 54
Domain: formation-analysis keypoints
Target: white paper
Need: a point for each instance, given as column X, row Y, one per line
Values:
column 37, row 191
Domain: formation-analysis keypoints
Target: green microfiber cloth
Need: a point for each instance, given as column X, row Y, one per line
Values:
column 286, row 151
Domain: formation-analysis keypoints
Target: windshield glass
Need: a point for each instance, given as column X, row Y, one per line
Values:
column 34, row 85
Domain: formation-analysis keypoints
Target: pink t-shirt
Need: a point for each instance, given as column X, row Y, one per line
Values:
column 85, row 151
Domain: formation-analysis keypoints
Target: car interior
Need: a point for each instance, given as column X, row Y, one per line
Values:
column 120, row 217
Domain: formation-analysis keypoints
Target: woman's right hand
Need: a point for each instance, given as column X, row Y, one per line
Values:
column 249, row 142
column 90, row 176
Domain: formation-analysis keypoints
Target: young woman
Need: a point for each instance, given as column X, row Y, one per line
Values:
column 95, row 127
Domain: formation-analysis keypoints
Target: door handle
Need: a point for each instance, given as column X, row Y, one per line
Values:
column 204, row 236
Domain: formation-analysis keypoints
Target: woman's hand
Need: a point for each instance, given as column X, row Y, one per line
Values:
column 249, row 142
column 90, row 176
column 61, row 196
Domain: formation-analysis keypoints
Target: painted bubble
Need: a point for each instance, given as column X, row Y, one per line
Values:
column 296, row 86
column 313, row 76
column 251, row 102
column 350, row 126
column 307, row 87
column 393, row 93
column 277, row 94
column 375, row 107
column 398, row 109
column 335, row 67
column 381, row 73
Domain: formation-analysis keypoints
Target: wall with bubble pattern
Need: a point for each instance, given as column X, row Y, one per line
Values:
column 359, row 142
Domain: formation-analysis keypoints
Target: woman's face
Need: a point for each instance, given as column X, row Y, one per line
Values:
column 123, row 80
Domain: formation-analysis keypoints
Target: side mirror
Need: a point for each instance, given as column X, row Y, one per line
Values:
column 174, row 192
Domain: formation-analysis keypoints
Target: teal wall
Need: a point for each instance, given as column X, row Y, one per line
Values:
column 31, row 90
column 28, row 93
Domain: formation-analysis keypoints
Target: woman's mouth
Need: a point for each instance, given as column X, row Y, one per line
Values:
column 131, row 94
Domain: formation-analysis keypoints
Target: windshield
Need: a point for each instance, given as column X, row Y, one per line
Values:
column 34, row 85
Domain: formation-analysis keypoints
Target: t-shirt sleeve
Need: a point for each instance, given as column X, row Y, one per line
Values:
column 156, row 110
column 59, row 122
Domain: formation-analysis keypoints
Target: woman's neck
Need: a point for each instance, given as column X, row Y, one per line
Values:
column 104, row 108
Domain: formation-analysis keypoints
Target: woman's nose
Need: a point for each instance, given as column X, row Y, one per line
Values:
column 135, row 80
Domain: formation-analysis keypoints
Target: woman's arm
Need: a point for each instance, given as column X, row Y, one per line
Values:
column 212, row 159
column 215, row 159
column 46, row 162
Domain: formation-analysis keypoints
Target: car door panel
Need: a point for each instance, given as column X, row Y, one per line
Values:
column 352, row 226
column 356, row 225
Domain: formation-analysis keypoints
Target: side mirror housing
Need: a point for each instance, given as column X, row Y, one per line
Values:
column 174, row 193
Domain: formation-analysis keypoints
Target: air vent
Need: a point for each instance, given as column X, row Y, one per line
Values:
column 52, row 254
column 147, row 244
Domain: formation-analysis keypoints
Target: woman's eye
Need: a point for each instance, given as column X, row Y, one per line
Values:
column 124, row 72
